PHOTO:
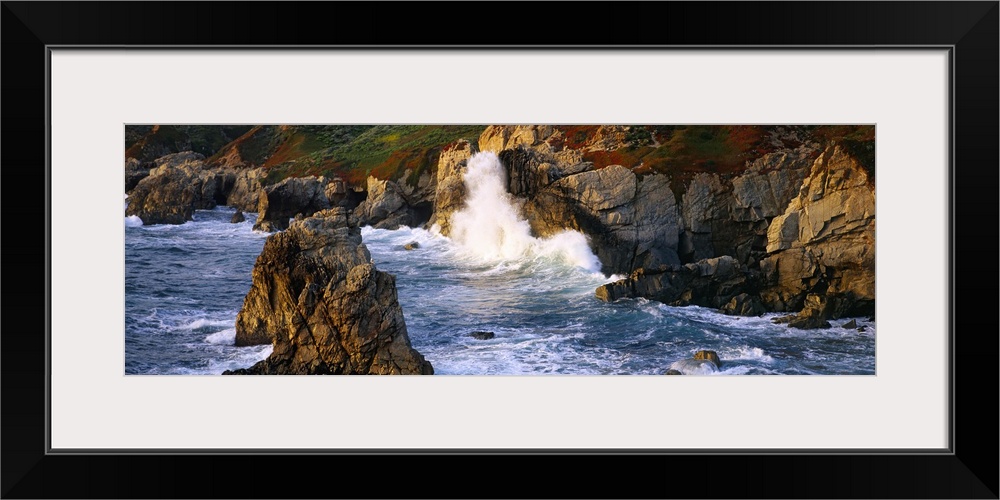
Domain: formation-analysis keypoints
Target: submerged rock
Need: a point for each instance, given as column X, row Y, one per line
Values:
column 744, row 305
column 709, row 355
column 325, row 307
column 413, row 245
column 707, row 283
column 818, row 309
column 238, row 217
column 702, row 363
column 850, row 324
column 694, row 366
column 482, row 335
column 808, row 323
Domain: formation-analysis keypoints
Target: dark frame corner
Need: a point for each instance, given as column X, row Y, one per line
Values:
column 30, row 29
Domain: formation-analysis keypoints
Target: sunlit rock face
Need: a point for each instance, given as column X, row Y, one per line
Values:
column 327, row 309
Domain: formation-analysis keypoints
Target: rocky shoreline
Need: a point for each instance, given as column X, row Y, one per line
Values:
column 792, row 232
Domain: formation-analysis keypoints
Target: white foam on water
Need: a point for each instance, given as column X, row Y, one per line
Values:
column 203, row 322
column 650, row 308
column 240, row 357
column 744, row 370
column 491, row 227
column 572, row 247
column 744, row 352
column 131, row 220
column 521, row 352
column 402, row 236
column 694, row 367
column 222, row 337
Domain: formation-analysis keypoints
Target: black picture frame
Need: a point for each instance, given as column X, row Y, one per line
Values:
column 968, row 29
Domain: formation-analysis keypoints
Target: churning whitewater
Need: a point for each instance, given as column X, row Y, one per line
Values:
column 491, row 226
column 530, row 301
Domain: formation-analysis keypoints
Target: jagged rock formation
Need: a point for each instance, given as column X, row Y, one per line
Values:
column 135, row 171
column 731, row 217
column 245, row 194
column 327, row 309
column 449, row 194
column 632, row 223
column 180, row 183
column 497, row 138
column 175, row 189
column 390, row 204
column 288, row 198
column 824, row 242
column 343, row 195
column 708, row 283
column 797, row 220
column 744, row 304
column 819, row 251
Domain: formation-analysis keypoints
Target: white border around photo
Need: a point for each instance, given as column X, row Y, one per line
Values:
column 905, row 93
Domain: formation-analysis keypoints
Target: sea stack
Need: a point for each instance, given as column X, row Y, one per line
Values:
column 327, row 309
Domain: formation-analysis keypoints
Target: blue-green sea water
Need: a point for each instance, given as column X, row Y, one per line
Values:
column 184, row 285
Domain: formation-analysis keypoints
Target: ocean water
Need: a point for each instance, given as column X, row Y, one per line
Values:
column 185, row 284
column 546, row 320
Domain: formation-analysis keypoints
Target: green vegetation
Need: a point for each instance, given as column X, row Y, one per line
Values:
column 357, row 151
column 353, row 152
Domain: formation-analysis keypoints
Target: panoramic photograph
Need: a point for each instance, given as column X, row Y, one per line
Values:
column 593, row 249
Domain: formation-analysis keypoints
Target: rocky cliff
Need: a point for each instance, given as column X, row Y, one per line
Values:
column 633, row 217
column 177, row 186
column 792, row 206
column 247, row 186
column 449, row 194
column 326, row 308
column 818, row 256
column 824, row 242
column 294, row 196
column 709, row 283
column 730, row 215
column 390, row 204
column 631, row 221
